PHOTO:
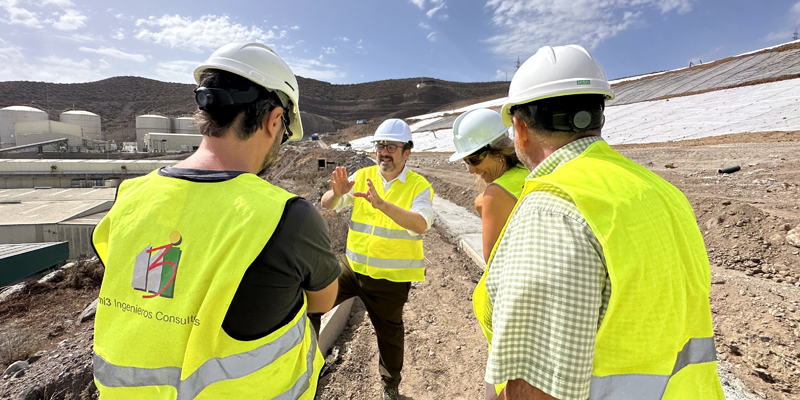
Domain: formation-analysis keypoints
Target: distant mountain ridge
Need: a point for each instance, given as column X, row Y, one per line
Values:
column 325, row 107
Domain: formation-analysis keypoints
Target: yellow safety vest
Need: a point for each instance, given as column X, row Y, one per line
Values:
column 656, row 338
column 175, row 252
column 376, row 245
column 513, row 180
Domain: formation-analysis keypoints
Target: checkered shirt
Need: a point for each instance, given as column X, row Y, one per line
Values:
column 549, row 288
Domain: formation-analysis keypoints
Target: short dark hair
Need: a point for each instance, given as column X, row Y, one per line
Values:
column 216, row 121
column 408, row 145
column 573, row 102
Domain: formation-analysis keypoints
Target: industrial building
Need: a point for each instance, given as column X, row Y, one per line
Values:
column 161, row 143
column 10, row 116
column 53, row 215
column 42, row 131
column 160, row 125
column 73, row 173
column 24, row 126
column 19, row 261
column 150, row 123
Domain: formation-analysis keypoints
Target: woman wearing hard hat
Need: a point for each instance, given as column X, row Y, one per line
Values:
column 480, row 139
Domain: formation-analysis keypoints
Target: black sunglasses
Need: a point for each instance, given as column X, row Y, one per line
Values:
column 477, row 157
column 288, row 133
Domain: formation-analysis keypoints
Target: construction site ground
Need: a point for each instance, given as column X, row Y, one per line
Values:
column 744, row 217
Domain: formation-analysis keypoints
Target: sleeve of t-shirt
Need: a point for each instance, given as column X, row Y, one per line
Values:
column 315, row 261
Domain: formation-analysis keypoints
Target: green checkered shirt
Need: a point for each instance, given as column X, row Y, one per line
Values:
column 549, row 288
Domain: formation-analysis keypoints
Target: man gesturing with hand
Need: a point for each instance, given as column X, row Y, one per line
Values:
column 392, row 208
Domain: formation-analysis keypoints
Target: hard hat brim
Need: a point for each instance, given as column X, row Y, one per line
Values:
column 458, row 156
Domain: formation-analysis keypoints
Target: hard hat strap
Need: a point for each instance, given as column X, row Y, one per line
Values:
column 214, row 98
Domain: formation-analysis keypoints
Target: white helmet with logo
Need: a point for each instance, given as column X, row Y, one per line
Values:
column 261, row 65
column 553, row 72
column 474, row 129
column 393, row 130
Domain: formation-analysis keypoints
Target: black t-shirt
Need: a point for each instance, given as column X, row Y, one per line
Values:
column 297, row 257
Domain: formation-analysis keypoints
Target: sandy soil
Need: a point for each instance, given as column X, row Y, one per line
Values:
column 744, row 217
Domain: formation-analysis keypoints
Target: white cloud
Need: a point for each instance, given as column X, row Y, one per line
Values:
column 435, row 9
column 424, row 25
column 786, row 32
column 502, row 75
column 177, row 71
column 344, row 39
column 18, row 15
column 81, row 38
column 206, row 32
column 70, row 21
column 526, row 25
column 418, row 3
column 119, row 34
column 60, row 3
column 432, row 36
column 329, row 50
column 435, row 6
column 110, row 51
column 15, row 67
column 294, row 27
column 315, row 69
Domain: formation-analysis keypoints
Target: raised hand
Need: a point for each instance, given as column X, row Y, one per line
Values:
column 371, row 196
column 340, row 185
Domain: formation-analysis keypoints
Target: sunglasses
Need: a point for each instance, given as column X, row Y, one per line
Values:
column 476, row 158
column 288, row 133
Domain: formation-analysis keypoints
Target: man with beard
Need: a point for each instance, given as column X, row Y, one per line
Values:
column 598, row 287
column 210, row 270
column 392, row 208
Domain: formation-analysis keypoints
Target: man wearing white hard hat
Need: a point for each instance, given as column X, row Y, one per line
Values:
column 210, row 270
column 392, row 208
column 599, row 284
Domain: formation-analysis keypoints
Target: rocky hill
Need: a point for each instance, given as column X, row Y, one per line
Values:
column 326, row 107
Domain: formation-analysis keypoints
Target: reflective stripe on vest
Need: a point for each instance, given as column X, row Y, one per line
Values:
column 387, row 263
column 214, row 370
column 651, row 387
column 382, row 232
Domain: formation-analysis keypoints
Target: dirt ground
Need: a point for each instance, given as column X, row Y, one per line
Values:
column 744, row 217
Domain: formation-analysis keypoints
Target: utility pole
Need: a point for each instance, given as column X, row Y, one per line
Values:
column 518, row 64
column 796, row 35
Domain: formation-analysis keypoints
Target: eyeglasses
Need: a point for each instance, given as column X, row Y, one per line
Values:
column 391, row 148
column 476, row 158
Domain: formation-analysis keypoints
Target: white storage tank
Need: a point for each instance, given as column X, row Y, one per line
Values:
column 10, row 116
column 186, row 125
column 88, row 121
column 150, row 123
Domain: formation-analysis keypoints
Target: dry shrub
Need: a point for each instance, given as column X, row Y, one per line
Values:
column 15, row 346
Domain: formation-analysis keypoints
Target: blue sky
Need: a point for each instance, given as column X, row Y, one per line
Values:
column 68, row 41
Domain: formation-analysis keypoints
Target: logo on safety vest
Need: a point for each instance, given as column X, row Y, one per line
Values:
column 155, row 268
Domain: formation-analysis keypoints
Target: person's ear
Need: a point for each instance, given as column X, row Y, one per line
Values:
column 520, row 131
column 272, row 122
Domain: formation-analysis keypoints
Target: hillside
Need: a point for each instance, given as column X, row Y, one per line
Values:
column 326, row 107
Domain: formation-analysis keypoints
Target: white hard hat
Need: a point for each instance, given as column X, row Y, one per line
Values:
column 474, row 129
column 393, row 130
column 553, row 72
column 261, row 65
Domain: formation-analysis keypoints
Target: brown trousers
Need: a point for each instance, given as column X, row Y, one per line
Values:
column 384, row 301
